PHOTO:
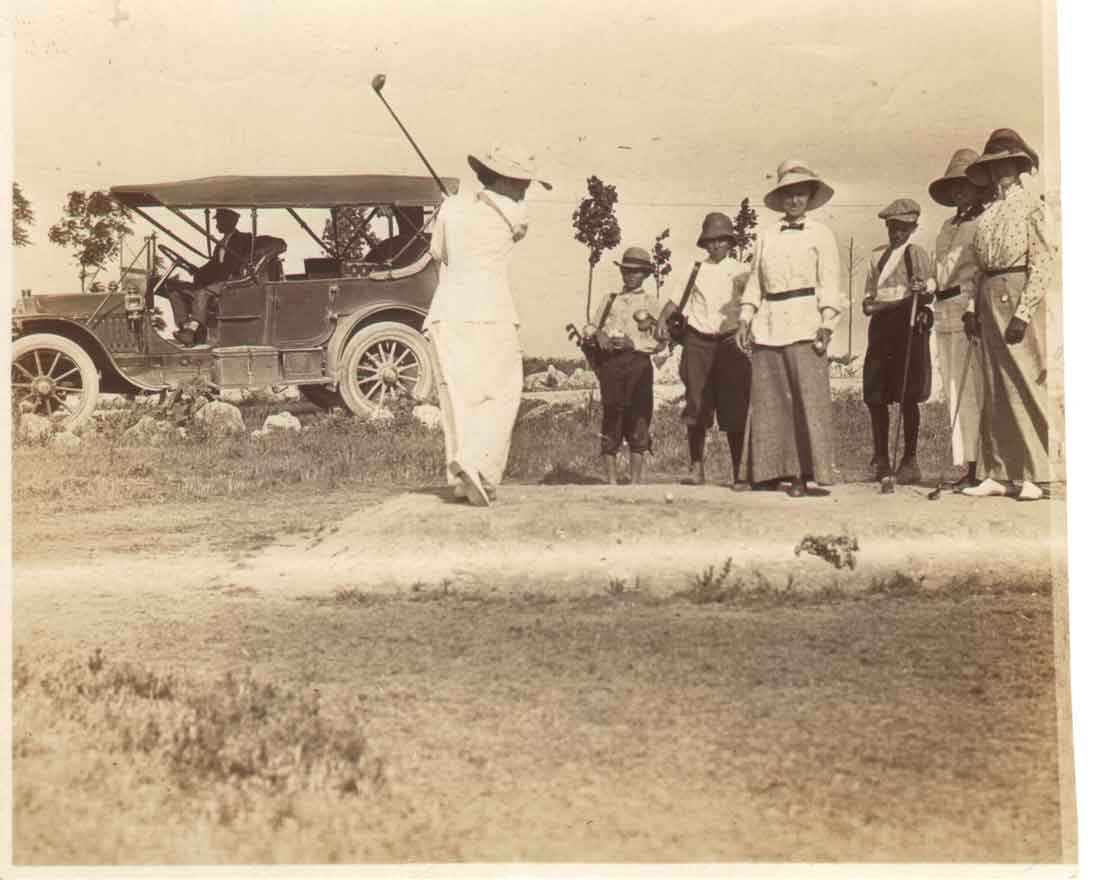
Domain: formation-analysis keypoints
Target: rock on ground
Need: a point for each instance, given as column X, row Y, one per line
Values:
column 534, row 381
column 429, row 416
column 219, row 416
column 377, row 414
column 283, row 421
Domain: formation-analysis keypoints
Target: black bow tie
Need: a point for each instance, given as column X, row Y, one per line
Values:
column 799, row 226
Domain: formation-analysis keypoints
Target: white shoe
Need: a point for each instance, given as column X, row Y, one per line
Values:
column 1029, row 492
column 475, row 492
column 459, row 490
column 987, row 488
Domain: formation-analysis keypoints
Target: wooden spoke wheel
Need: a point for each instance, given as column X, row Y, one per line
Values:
column 54, row 377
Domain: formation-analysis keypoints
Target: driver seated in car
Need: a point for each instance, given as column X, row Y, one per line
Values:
column 190, row 299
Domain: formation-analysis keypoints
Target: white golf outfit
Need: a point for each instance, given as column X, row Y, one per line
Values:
column 473, row 329
column 957, row 266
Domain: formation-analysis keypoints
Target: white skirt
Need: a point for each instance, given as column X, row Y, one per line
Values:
column 479, row 373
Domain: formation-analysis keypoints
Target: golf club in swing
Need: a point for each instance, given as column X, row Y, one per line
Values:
column 935, row 493
column 377, row 82
column 889, row 481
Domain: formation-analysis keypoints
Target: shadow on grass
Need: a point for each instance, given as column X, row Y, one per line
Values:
column 563, row 475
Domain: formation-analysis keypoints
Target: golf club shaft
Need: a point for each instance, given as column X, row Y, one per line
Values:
column 405, row 131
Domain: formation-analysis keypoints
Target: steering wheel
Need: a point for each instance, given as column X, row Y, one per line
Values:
column 176, row 258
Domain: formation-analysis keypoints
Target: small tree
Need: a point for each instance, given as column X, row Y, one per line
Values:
column 743, row 236
column 662, row 256
column 21, row 217
column 353, row 234
column 93, row 226
column 596, row 227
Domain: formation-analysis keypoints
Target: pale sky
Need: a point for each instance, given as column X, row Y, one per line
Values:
column 686, row 110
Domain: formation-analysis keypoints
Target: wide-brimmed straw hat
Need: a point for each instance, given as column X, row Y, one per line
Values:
column 940, row 188
column 636, row 258
column 902, row 210
column 794, row 171
column 715, row 225
column 1004, row 143
column 508, row 160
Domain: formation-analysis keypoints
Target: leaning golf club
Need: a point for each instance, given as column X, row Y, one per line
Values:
column 376, row 83
column 935, row 493
column 889, row 481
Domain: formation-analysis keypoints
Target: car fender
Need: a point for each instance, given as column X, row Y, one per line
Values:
column 348, row 325
column 86, row 339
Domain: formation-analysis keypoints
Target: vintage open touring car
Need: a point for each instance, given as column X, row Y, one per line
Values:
column 344, row 330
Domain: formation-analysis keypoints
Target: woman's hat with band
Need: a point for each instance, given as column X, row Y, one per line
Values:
column 794, row 171
column 508, row 161
column 715, row 225
column 940, row 189
column 636, row 258
column 1004, row 143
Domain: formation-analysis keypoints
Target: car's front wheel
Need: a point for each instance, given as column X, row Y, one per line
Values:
column 53, row 376
column 383, row 362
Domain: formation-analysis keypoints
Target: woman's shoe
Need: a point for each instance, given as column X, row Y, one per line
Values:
column 1029, row 492
column 797, row 489
column 987, row 488
column 475, row 492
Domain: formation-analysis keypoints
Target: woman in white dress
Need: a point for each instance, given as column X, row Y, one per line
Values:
column 472, row 324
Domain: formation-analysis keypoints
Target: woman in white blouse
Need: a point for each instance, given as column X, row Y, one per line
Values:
column 789, row 310
column 472, row 324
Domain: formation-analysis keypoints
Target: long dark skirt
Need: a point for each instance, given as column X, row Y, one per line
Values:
column 792, row 418
column 1014, row 443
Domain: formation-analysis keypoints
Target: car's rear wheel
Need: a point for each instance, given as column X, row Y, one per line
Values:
column 53, row 376
column 321, row 396
column 383, row 362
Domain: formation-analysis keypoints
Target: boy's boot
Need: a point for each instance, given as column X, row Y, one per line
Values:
column 697, row 438
column 880, row 440
column 636, row 460
column 909, row 471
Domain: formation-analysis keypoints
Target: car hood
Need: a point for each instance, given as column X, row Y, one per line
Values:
column 68, row 305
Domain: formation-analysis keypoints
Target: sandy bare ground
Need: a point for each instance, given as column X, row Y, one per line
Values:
column 575, row 538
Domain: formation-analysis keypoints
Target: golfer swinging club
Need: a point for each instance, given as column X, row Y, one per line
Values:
column 473, row 326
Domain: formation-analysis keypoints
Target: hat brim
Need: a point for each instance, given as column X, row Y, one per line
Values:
column 636, row 267
column 822, row 193
column 978, row 170
column 703, row 239
column 481, row 165
column 940, row 190
column 911, row 219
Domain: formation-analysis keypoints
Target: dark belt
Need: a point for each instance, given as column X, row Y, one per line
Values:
column 789, row 294
column 1005, row 271
column 714, row 337
column 948, row 292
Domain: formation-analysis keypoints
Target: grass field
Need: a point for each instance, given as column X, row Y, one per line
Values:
column 442, row 727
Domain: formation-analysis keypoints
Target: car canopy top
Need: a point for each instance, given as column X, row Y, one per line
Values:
column 311, row 191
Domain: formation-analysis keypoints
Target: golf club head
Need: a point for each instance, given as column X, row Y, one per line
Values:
column 887, row 486
column 378, row 81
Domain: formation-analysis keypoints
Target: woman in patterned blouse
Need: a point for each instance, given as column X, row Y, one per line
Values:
column 1015, row 258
